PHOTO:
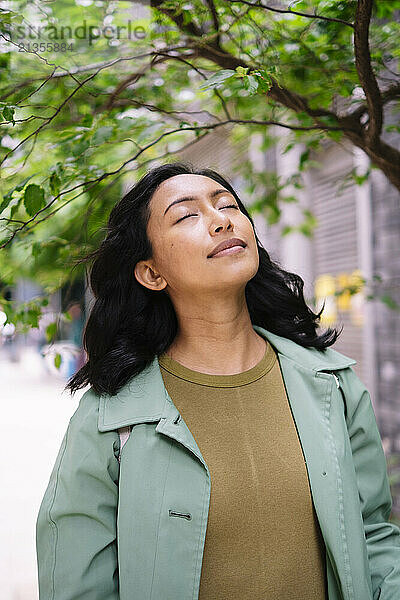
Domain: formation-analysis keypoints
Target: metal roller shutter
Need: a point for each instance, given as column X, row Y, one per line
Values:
column 335, row 249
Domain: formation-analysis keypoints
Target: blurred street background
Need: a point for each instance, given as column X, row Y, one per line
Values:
column 35, row 414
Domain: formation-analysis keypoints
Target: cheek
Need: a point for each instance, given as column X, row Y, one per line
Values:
column 180, row 256
column 187, row 241
column 252, row 238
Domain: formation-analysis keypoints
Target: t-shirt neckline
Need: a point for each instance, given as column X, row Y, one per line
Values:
column 233, row 380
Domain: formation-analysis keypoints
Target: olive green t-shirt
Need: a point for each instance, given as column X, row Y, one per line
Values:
column 263, row 540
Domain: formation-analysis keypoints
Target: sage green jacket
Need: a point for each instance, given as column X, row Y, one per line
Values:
column 136, row 530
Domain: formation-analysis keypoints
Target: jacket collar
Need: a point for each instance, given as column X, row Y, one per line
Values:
column 145, row 399
column 311, row 358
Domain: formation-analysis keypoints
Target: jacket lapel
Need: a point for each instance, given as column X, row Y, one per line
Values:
column 141, row 400
column 145, row 399
column 316, row 360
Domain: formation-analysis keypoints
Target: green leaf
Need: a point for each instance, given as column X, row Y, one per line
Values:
column 384, row 10
column 126, row 123
column 33, row 199
column 54, row 183
column 265, row 78
column 390, row 302
column 102, row 135
column 335, row 135
column 51, row 331
column 288, row 147
column 252, row 84
column 391, row 128
column 32, row 317
column 241, row 71
column 87, row 121
column 303, row 159
column 5, row 202
column 289, row 199
column 57, row 360
column 7, row 16
column 36, row 249
column 8, row 197
column 218, row 78
column 80, row 147
column 14, row 209
column 57, row 168
column 8, row 114
column 149, row 131
column 286, row 230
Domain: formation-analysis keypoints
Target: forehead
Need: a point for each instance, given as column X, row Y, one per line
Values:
column 182, row 185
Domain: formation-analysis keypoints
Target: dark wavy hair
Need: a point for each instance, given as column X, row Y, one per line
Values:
column 129, row 324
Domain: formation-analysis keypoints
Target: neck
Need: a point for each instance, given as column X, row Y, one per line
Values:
column 218, row 339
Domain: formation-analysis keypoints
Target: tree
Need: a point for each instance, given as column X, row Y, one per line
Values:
column 89, row 95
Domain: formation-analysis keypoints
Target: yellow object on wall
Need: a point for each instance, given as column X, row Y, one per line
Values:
column 343, row 292
column 343, row 299
column 324, row 290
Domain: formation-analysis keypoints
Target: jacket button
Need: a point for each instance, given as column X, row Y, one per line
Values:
column 323, row 473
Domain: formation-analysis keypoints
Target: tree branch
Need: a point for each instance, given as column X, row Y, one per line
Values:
column 189, row 28
column 83, row 69
column 158, row 57
column 214, row 15
column 49, row 119
column 292, row 12
column 79, row 86
column 365, row 72
column 383, row 155
column 158, row 109
column 215, row 53
column 391, row 93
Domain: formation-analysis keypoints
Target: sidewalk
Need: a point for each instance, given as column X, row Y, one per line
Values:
column 35, row 416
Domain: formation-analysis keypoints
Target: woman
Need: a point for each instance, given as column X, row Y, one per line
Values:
column 254, row 468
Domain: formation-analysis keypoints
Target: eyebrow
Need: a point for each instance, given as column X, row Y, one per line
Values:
column 212, row 194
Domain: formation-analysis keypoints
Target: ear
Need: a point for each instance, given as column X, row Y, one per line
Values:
column 148, row 276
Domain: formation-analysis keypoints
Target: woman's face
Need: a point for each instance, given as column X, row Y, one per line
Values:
column 183, row 234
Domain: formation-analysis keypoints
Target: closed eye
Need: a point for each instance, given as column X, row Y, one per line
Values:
column 194, row 215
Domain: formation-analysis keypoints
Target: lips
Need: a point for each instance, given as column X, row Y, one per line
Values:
column 227, row 244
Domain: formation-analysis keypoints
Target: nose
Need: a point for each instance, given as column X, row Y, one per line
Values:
column 220, row 222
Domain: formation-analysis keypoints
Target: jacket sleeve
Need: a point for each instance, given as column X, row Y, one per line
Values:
column 382, row 536
column 76, row 524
